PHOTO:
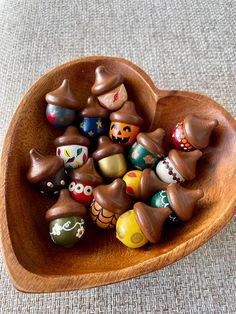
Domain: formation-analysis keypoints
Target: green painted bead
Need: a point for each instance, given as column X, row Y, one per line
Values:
column 142, row 158
column 160, row 200
column 66, row 231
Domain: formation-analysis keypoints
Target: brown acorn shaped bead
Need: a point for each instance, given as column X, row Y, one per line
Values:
column 148, row 149
column 47, row 172
column 110, row 201
column 110, row 157
column 180, row 200
column 178, row 166
column 72, row 147
column 109, row 88
column 62, row 105
column 125, row 124
column 93, row 119
column 83, row 180
column 143, row 184
column 140, row 225
column 193, row 133
column 66, row 220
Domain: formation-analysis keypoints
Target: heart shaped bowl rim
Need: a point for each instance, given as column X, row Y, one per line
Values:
column 30, row 281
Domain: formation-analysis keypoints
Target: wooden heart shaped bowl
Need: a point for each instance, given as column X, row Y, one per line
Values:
column 34, row 263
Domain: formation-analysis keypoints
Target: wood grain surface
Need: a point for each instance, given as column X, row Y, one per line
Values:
column 33, row 262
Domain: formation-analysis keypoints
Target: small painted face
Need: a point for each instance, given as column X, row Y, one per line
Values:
column 132, row 179
column 54, row 184
column 141, row 158
column 66, row 231
column 102, row 217
column 179, row 139
column 81, row 192
column 167, row 172
column 123, row 133
column 59, row 116
column 92, row 127
column 160, row 200
column 115, row 98
column 129, row 232
column 74, row 156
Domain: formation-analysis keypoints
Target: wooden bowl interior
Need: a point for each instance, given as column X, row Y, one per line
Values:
column 99, row 251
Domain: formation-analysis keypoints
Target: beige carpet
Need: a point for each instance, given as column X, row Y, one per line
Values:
column 181, row 45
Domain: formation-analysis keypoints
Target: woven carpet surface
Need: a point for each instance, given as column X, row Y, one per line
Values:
column 188, row 45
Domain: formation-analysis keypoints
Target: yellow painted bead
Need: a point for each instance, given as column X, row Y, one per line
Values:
column 128, row 231
column 132, row 179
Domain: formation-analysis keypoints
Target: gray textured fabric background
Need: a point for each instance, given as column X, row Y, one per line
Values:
column 181, row 45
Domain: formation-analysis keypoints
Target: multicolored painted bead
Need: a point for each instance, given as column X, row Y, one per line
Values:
column 62, row 105
column 109, row 88
column 93, row 119
column 142, row 158
column 132, row 179
column 67, row 231
column 66, row 223
column 83, row 180
column 125, row 124
column 167, row 172
column 72, row 147
column 110, row 201
column 193, row 133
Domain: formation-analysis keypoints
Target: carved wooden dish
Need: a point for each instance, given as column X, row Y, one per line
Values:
column 34, row 263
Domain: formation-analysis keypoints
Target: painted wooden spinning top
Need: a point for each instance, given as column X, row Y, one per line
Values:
column 148, row 149
column 125, row 124
column 110, row 201
column 67, row 225
column 143, row 184
column 93, row 119
column 72, row 147
column 179, row 199
column 83, row 180
column 140, row 225
column 110, row 157
column 62, row 105
column 178, row 166
column 109, row 88
column 193, row 133
column 47, row 172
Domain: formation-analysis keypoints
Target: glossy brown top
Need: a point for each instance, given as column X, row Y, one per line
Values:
column 42, row 167
column 71, row 136
column 149, row 184
column 183, row 200
column 105, row 81
column 113, row 196
column 153, row 141
column 93, row 109
column 87, row 174
column 63, row 97
column 65, row 207
column 106, row 148
column 185, row 162
column 198, row 130
column 150, row 220
column 127, row 114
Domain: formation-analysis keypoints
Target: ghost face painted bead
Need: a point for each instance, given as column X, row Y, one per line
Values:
column 54, row 184
column 123, row 133
column 141, row 158
column 115, row 98
column 167, row 172
column 129, row 232
column 81, row 192
column 74, row 156
column 66, row 231
column 59, row 116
